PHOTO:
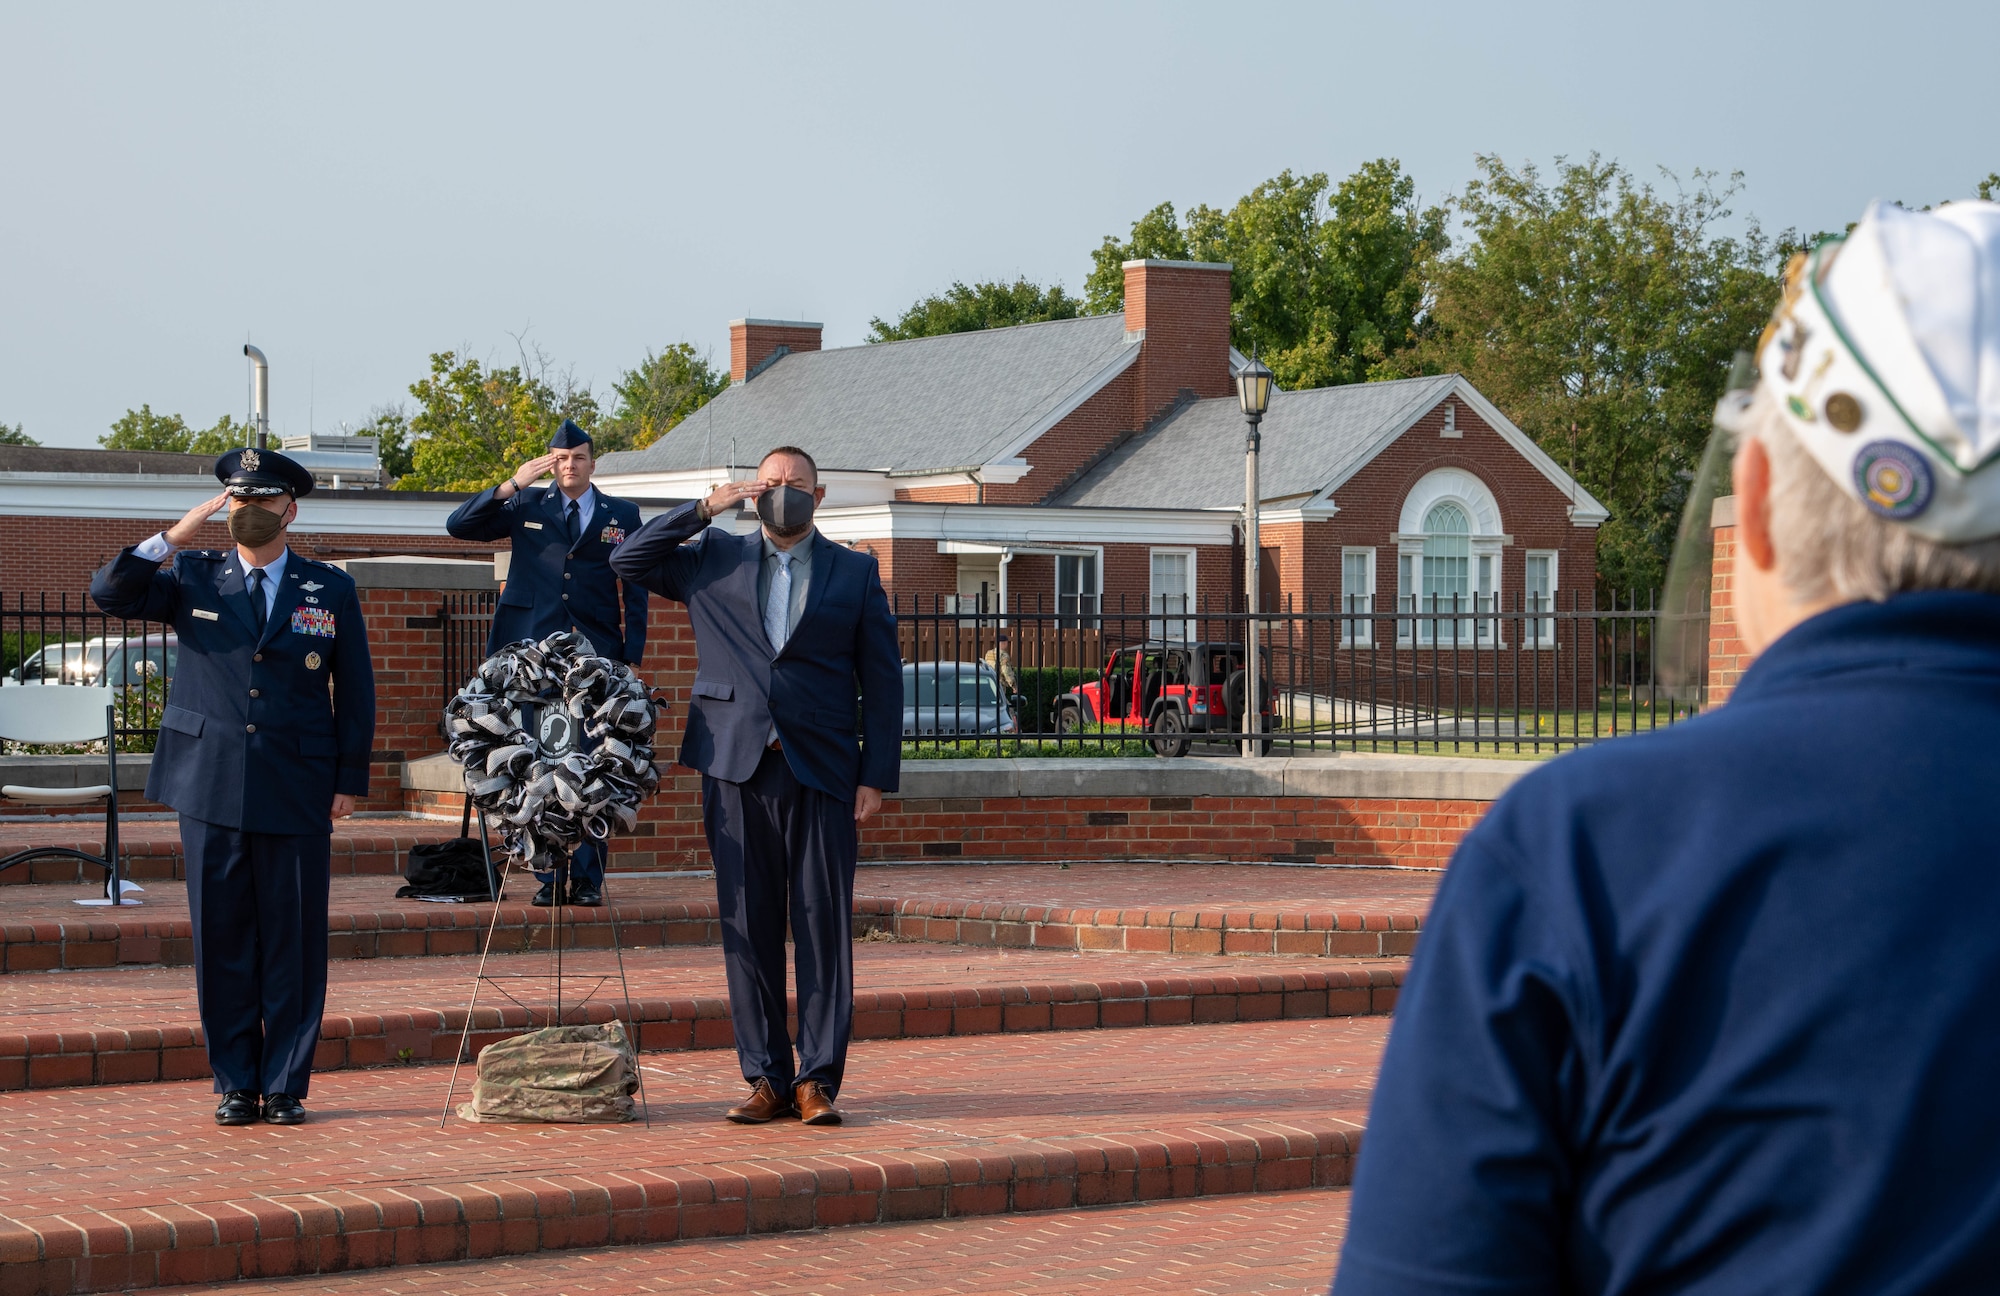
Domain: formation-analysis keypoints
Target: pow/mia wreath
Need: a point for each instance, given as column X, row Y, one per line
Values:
column 556, row 743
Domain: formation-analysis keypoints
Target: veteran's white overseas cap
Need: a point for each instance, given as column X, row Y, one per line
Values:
column 1885, row 359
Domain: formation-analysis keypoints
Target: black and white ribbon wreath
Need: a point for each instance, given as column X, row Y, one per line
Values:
column 556, row 743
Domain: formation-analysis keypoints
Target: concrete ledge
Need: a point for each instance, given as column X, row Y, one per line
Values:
column 74, row 771
column 1396, row 778
column 439, row 773
column 419, row 573
column 1373, row 778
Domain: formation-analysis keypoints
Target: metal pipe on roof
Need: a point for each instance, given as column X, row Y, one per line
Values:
column 260, row 400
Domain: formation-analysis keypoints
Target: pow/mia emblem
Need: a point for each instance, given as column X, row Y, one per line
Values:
column 557, row 732
column 312, row 661
column 250, row 460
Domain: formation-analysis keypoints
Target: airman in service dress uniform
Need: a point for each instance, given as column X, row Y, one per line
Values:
column 561, row 579
column 264, row 741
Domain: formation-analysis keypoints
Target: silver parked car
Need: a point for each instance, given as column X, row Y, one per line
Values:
column 955, row 700
column 55, row 664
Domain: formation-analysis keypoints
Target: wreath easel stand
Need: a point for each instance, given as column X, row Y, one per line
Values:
column 556, row 742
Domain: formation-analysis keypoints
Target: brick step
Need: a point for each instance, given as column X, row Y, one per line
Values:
column 133, row 1025
column 133, row 1186
column 1226, row 1246
column 1137, row 908
column 150, row 849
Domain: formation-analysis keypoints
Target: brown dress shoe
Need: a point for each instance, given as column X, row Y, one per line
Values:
column 815, row 1108
column 764, row 1105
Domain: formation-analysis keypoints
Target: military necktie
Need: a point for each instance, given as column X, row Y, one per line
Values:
column 570, row 523
column 257, row 608
column 778, row 608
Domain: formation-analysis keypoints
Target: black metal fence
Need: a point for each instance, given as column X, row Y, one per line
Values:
column 464, row 620
column 65, row 640
column 1166, row 677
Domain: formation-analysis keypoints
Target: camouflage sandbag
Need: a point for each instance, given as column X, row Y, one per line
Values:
column 565, row 1074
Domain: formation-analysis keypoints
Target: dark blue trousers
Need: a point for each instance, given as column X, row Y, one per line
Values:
column 586, row 864
column 782, row 848
column 258, row 905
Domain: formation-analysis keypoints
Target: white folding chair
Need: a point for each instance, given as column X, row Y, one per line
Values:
column 67, row 713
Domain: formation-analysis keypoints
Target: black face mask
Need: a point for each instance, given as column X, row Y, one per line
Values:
column 786, row 510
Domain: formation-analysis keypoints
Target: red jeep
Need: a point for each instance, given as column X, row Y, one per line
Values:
column 1170, row 690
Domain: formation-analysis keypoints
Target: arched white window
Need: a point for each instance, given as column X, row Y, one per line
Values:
column 1448, row 561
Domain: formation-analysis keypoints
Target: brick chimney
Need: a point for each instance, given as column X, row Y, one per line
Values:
column 1183, row 306
column 751, row 342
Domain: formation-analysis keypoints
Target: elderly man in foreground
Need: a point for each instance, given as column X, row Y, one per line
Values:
column 1714, row 1009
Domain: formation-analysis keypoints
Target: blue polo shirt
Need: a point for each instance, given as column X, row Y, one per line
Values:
column 1718, row 1009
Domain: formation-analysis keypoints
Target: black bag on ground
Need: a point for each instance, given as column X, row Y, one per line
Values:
column 454, row 869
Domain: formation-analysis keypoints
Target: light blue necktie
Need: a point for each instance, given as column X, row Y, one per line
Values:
column 777, row 609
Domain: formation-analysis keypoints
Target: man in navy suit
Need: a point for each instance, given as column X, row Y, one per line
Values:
column 559, row 580
column 264, row 741
column 788, row 627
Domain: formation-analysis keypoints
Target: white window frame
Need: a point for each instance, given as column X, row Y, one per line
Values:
column 1357, row 634
column 1488, row 540
column 1093, row 619
column 1171, row 629
column 1540, row 632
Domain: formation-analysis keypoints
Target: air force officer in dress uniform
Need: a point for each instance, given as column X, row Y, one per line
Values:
column 559, row 580
column 264, row 741
column 788, row 626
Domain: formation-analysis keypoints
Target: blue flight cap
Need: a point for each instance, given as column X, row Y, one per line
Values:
column 250, row 472
column 569, row 436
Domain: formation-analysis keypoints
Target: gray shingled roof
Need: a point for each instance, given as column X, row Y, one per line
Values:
column 1311, row 438
column 929, row 403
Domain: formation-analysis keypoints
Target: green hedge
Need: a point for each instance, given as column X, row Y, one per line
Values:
column 1042, row 685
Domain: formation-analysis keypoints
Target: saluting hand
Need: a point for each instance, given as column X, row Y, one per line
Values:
column 186, row 531
column 533, row 471
column 730, row 494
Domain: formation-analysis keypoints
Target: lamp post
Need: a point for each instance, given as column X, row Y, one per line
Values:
column 1253, row 389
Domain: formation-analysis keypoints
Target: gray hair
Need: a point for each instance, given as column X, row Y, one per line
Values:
column 1830, row 546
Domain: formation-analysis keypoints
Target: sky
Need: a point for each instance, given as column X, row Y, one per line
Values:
column 354, row 187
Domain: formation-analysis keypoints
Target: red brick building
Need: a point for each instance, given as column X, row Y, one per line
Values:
column 1078, row 466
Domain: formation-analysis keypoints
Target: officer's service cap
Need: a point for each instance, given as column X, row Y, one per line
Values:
column 568, row 437
column 1884, row 358
column 250, row 473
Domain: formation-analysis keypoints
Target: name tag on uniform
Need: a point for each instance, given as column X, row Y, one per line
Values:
column 532, row 526
column 206, row 615
column 312, row 621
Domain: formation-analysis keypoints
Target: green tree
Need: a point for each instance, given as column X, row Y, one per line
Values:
column 1990, row 186
column 141, row 429
column 1601, row 316
column 15, row 436
column 1325, row 287
column 1156, row 235
column 474, row 425
column 662, row 391
column 390, row 427
column 966, row 309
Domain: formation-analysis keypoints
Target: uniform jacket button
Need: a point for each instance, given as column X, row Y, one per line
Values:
column 249, row 728
column 565, row 596
column 257, row 657
column 566, row 576
column 253, row 692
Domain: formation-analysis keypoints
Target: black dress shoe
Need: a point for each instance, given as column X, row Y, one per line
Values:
column 586, row 894
column 238, row 1107
column 545, row 897
column 283, row 1109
